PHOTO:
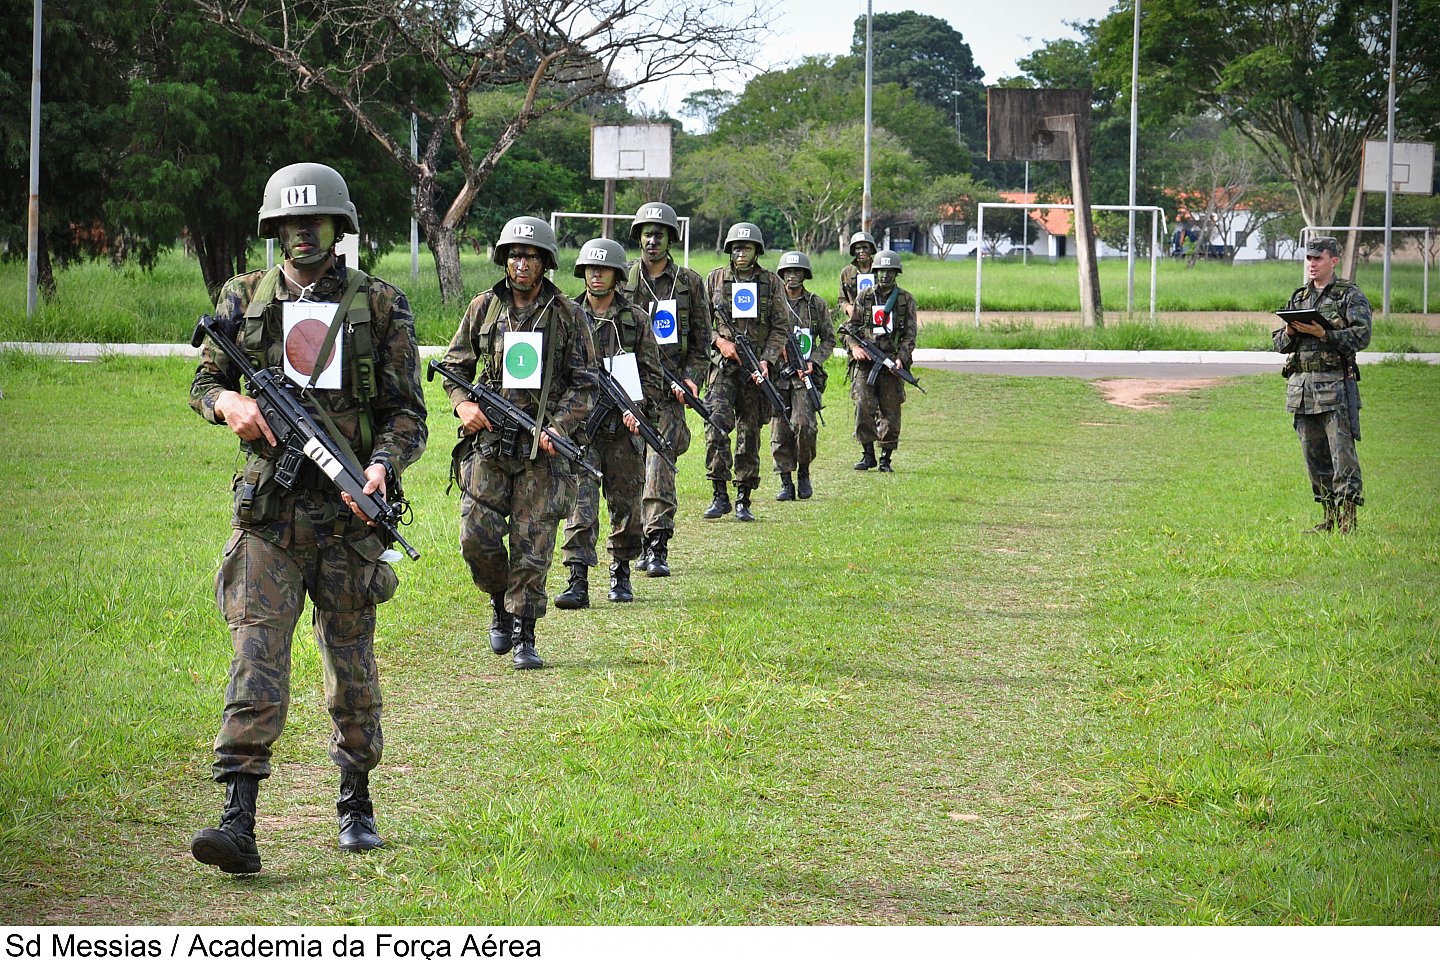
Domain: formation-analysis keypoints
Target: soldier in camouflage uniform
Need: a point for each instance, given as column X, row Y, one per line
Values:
column 1321, row 382
column 654, row 279
column 310, row 539
column 877, row 408
column 616, row 449
column 525, row 492
column 792, row 441
column 862, row 253
column 735, row 400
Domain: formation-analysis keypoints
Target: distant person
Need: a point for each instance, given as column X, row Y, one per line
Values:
column 862, row 257
column 1322, row 378
column 307, row 539
column 887, row 316
column 792, row 439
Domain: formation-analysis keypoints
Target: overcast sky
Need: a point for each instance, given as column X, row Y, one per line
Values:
column 998, row 33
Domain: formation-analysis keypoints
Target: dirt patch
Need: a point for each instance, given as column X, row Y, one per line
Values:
column 1137, row 393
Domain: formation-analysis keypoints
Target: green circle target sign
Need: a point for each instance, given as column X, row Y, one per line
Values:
column 522, row 360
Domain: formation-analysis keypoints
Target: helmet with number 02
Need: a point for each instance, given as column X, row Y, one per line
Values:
column 600, row 253
column 793, row 259
column 860, row 236
column 530, row 232
column 745, row 233
column 887, row 260
column 656, row 212
column 305, row 190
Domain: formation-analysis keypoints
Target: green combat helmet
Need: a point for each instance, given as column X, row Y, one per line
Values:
column 745, row 233
column 793, row 259
column 860, row 236
column 887, row 260
column 661, row 213
column 600, row 253
column 305, row 190
column 531, row 232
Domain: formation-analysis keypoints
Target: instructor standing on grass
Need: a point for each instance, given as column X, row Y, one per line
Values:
column 1321, row 382
column 288, row 543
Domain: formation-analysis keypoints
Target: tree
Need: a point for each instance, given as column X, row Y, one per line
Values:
column 1305, row 81
column 706, row 106
column 381, row 59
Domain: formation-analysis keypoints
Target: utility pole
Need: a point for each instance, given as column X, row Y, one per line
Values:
column 32, row 292
column 865, row 212
column 1390, row 161
column 1134, row 130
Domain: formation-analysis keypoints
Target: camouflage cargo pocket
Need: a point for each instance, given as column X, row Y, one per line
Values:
column 1329, row 391
column 351, row 576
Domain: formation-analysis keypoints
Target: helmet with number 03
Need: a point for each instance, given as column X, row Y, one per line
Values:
column 745, row 233
column 661, row 213
column 793, row 259
column 887, row 260
column 306, row 190
column 600, row 253
column 860, row 236
column 530, row 232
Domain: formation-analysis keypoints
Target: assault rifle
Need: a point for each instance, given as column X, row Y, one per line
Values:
column 751, row 363
column 691, row 399
column 880, row 360
column 301, row 438
column 513, row 424
column 795, row 367
column 613, row 398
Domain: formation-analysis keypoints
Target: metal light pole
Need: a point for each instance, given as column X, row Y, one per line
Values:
column 414, row 196
column 865, row 216
column 955, row 97
column 33, row 269
column 1134, row 129
column 1025, row 221
column 1390, row 160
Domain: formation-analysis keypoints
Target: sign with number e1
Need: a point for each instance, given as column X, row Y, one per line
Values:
column 521, row 360
column 745, row 300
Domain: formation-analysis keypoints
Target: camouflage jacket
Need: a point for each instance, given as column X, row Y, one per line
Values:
column 398, row 408
column 768, row 329
column 1316, row 368
column 479, row 345
column 625, row 327
column 848, row 281
column 811, row 310
column 691, row 356
column 901, row 343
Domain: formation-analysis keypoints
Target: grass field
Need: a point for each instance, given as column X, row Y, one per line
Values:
column 97, row 303
column 1071, row 664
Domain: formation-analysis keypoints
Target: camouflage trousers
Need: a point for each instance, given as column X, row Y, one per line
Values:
column 877, row 408
column 1330, row 456
column 621, row 460
column 792, row 441
column 736, row 404
column 261, row 588
column 524, row 500
column 660, row 502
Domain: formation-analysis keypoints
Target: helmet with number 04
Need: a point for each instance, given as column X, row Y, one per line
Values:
column 793, row 259
column 745, row 233
column 530, row 232
column 306, row 190
column 600, row 253
column 656, row 212
column 887, row 260
column 860, row 236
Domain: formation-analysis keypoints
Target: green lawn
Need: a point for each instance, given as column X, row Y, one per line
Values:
column 1071, row 664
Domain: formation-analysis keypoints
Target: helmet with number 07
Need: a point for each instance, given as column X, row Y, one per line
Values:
column 745, row 233
column 306, row 190
column 527, row 231
column 600, row 253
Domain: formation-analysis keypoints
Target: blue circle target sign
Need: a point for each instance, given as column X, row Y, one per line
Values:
column 663, row 324
column 744, row 299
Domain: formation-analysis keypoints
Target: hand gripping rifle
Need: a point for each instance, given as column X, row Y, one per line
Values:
column 612, row 398
column 512, row 423
column 795, row 367
column 302, row 438
column 752, row 364
column 879, row 360
column 691, row 400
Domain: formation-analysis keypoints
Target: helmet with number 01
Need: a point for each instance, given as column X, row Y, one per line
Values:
column 600, row 253
column 530, row 232
column 794, row 259
column 656, row 212
column 305, row 190
column 745, row 233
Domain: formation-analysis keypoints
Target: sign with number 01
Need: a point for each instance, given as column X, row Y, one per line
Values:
column 522, row 359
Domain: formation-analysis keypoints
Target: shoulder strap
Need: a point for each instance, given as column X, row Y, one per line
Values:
column 253, row 326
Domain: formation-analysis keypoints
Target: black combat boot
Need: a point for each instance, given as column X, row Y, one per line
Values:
column 357, row 814
column 502, row 625
column 620, row 590
column 885, row 461
column 231, row 846
column 787, row 488
column 720, row 506
column 867, row 462
column 742, row 504
column 1332, row 514
column 659, row 554
column 802, row 484
column 1345, row 518
column 642, row 565
column 525, row 656
column 577, row 594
